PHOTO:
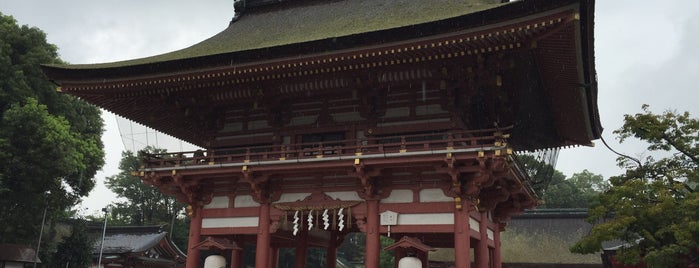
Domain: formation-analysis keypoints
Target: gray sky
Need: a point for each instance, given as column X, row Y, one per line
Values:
column 645, row 53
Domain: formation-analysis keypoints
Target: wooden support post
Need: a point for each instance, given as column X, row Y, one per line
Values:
column 194, row 237
column 497, row 258
column 462, row 237
column 481, row 250
column 373, row 237
column 332, row 251
column 236, row 258
column 274, row 257
column 301, row 254
column 424, row 258
column 263, row 238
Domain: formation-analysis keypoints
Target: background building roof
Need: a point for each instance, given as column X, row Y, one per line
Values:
column 17, row 253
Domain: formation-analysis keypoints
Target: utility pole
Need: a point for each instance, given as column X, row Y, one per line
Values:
column 106, row 210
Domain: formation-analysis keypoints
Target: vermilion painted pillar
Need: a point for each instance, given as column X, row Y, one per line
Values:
column 373, row 237
column 301, row 248
column 263, row 238
column 462, row 238
column 497, row 258
column 194, row 238
column 481, row 250
column 274, row 257
column 331, row 260
column 236, row 258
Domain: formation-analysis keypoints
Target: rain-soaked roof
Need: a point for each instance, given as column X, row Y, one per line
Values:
column 119, row 240
column 294, row 22
column 17, row 253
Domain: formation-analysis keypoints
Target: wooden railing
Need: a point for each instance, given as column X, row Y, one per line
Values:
column 386, row 145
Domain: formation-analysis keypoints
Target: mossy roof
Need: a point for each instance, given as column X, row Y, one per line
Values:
column 298, row 21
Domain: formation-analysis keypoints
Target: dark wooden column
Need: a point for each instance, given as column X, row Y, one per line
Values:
column 497, row 250
column 332, row 251
column 274, row 257
column 301, row 254
column 194, row 237
column 264, row 238
column 236, row 258
column 462, row 237
column 373, row 237
column 481, row 250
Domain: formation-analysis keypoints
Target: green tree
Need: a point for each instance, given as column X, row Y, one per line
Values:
column 76, row 249
column 145, row 204
column 653, row 207
column 49, row 142
column 578, row 191
column 540, row 171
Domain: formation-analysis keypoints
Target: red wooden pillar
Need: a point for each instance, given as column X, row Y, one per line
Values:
column 236, row 258
column 194, row 238
column 274, row 257
column 301, row 248
column 497, row 258
column 462, row 237
column 373, row 237
column 331, row 260
column 263, row 238
column 481, row 250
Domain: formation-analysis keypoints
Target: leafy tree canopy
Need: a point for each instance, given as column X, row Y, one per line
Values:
column 578, row 191
column 76, row 249
column 145, row 204
column 557, row 191
column 654, row 206
column 49, row 142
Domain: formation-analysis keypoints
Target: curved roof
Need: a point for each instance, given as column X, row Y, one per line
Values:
column 270, row 40
column 294, row 22
column 17, row 253
column 125, row 239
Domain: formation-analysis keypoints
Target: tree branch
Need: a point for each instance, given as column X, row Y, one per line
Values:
column 680, row 149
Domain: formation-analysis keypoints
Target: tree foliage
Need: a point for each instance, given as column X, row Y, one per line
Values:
column 76, row 249
column 578, row 191
column 653, row 207
column 557, row 191
column 145, row 204
column 540, row 171
column 49, row 142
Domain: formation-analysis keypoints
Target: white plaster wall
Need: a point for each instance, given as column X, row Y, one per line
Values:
column 218, row 202
column 397, row 112
column 347, row 117
column 244, row 201
column 429, row 109
column 434, row 195
column 302, row 120
column 230, row 222
column 345, row 196
column 425, row 218
column 291, row 197
column 399, row 196
column 475, row 225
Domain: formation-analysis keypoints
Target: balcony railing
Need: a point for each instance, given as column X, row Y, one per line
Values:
column 384, row 146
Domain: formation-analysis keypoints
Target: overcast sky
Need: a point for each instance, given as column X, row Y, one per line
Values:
column 646, row 53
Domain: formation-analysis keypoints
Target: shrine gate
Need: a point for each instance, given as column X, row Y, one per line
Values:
column 321, row 118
